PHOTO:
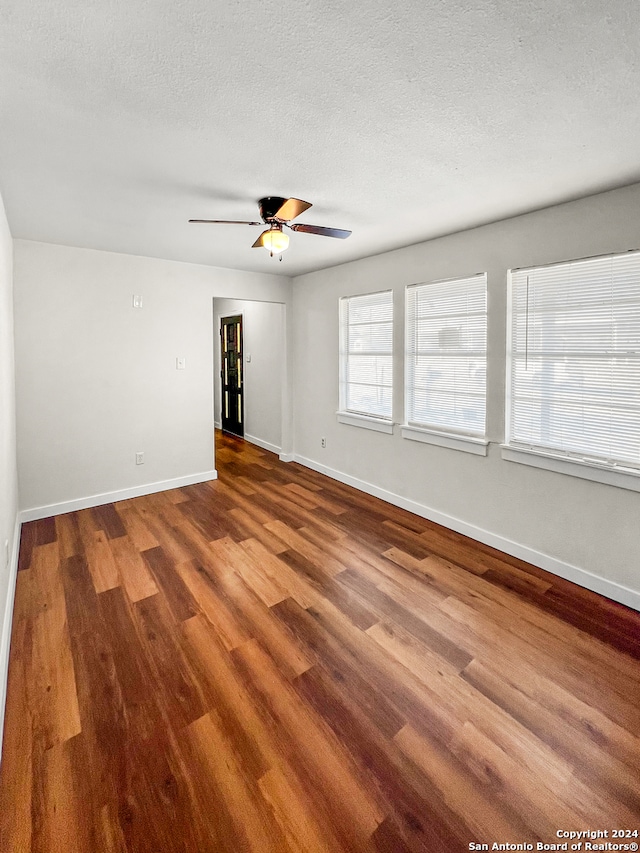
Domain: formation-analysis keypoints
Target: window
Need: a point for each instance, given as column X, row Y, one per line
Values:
column 366, row 356
column 446, row 358
column 574, row 361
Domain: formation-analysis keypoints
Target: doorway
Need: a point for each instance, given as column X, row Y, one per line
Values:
column 231, row 379
column 264, row 370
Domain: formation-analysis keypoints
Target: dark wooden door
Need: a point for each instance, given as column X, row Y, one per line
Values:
column 231, row 375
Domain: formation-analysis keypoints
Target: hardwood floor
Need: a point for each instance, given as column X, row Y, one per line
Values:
column 276, row 662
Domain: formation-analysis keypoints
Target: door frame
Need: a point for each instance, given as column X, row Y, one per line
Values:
column 243, row 385
column 286, row 396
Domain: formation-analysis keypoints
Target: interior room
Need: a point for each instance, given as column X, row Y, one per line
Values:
column 330, row 547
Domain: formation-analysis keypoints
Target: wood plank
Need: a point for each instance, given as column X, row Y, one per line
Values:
column 327, row 565
column 132, row 668
column 609, row 689
column 256, row 617
column 155, row 781
column 413, row 700
column 98, row 552
column 176, row 496
column 69, row 536
column 27, row 543
column 224, row 690
column 16, row 770
column 240, row 500
column 205, row 518
column 213, row 604
column 289, row 512
column 313, row 499
column 135, row 526
column 476, row 803
column 424, row 822
column 45, row 531
column 303, row 832
column 265, row 586
column 108, row 520
column 554, row 715
column 54, row 703
column 177, row 690
column 170, row 581
column 524, row 618
column 458, row 701
column 328, row 652
column 253, row 529
column 99, row 765
column 62, row 826
column 541, row 806
column 135, row 576
column 248, row 822
column 289, row 580
column 162, row 529
column 356, row 813
column 386, row 606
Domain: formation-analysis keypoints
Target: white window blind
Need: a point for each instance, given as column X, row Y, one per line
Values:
column 446, row 355
column 366, row 354
column 574, row 360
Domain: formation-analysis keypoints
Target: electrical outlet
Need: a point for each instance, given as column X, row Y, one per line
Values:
column 323, row 442
column 137, row 301
column 140, row 458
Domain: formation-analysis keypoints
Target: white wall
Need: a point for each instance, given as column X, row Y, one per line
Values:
column 264, row 376
column 8, row 469
column 553, row 519
column 97, row 380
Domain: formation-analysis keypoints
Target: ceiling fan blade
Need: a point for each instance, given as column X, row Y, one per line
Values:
column 226, row 221
column 260, row 241
column 340, row 233
column 291, row 208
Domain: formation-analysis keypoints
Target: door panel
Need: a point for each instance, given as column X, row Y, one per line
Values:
column 232, row 383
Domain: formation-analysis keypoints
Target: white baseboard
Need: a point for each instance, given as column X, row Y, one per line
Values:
column 217, row 424
column 287, row 457
column 265, row 445
column 111, row 497
column 610, row 589
column 5, row 636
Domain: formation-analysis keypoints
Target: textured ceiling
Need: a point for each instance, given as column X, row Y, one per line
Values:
column 121, row 120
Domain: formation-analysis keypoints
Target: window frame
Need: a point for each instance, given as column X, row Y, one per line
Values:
column 452, row 437
column 585, row 465
column 351, row 416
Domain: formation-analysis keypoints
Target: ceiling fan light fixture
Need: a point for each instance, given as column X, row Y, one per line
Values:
column 275, row 241
column 277, row 212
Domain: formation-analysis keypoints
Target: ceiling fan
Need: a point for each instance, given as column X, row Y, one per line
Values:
column 277, row 213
